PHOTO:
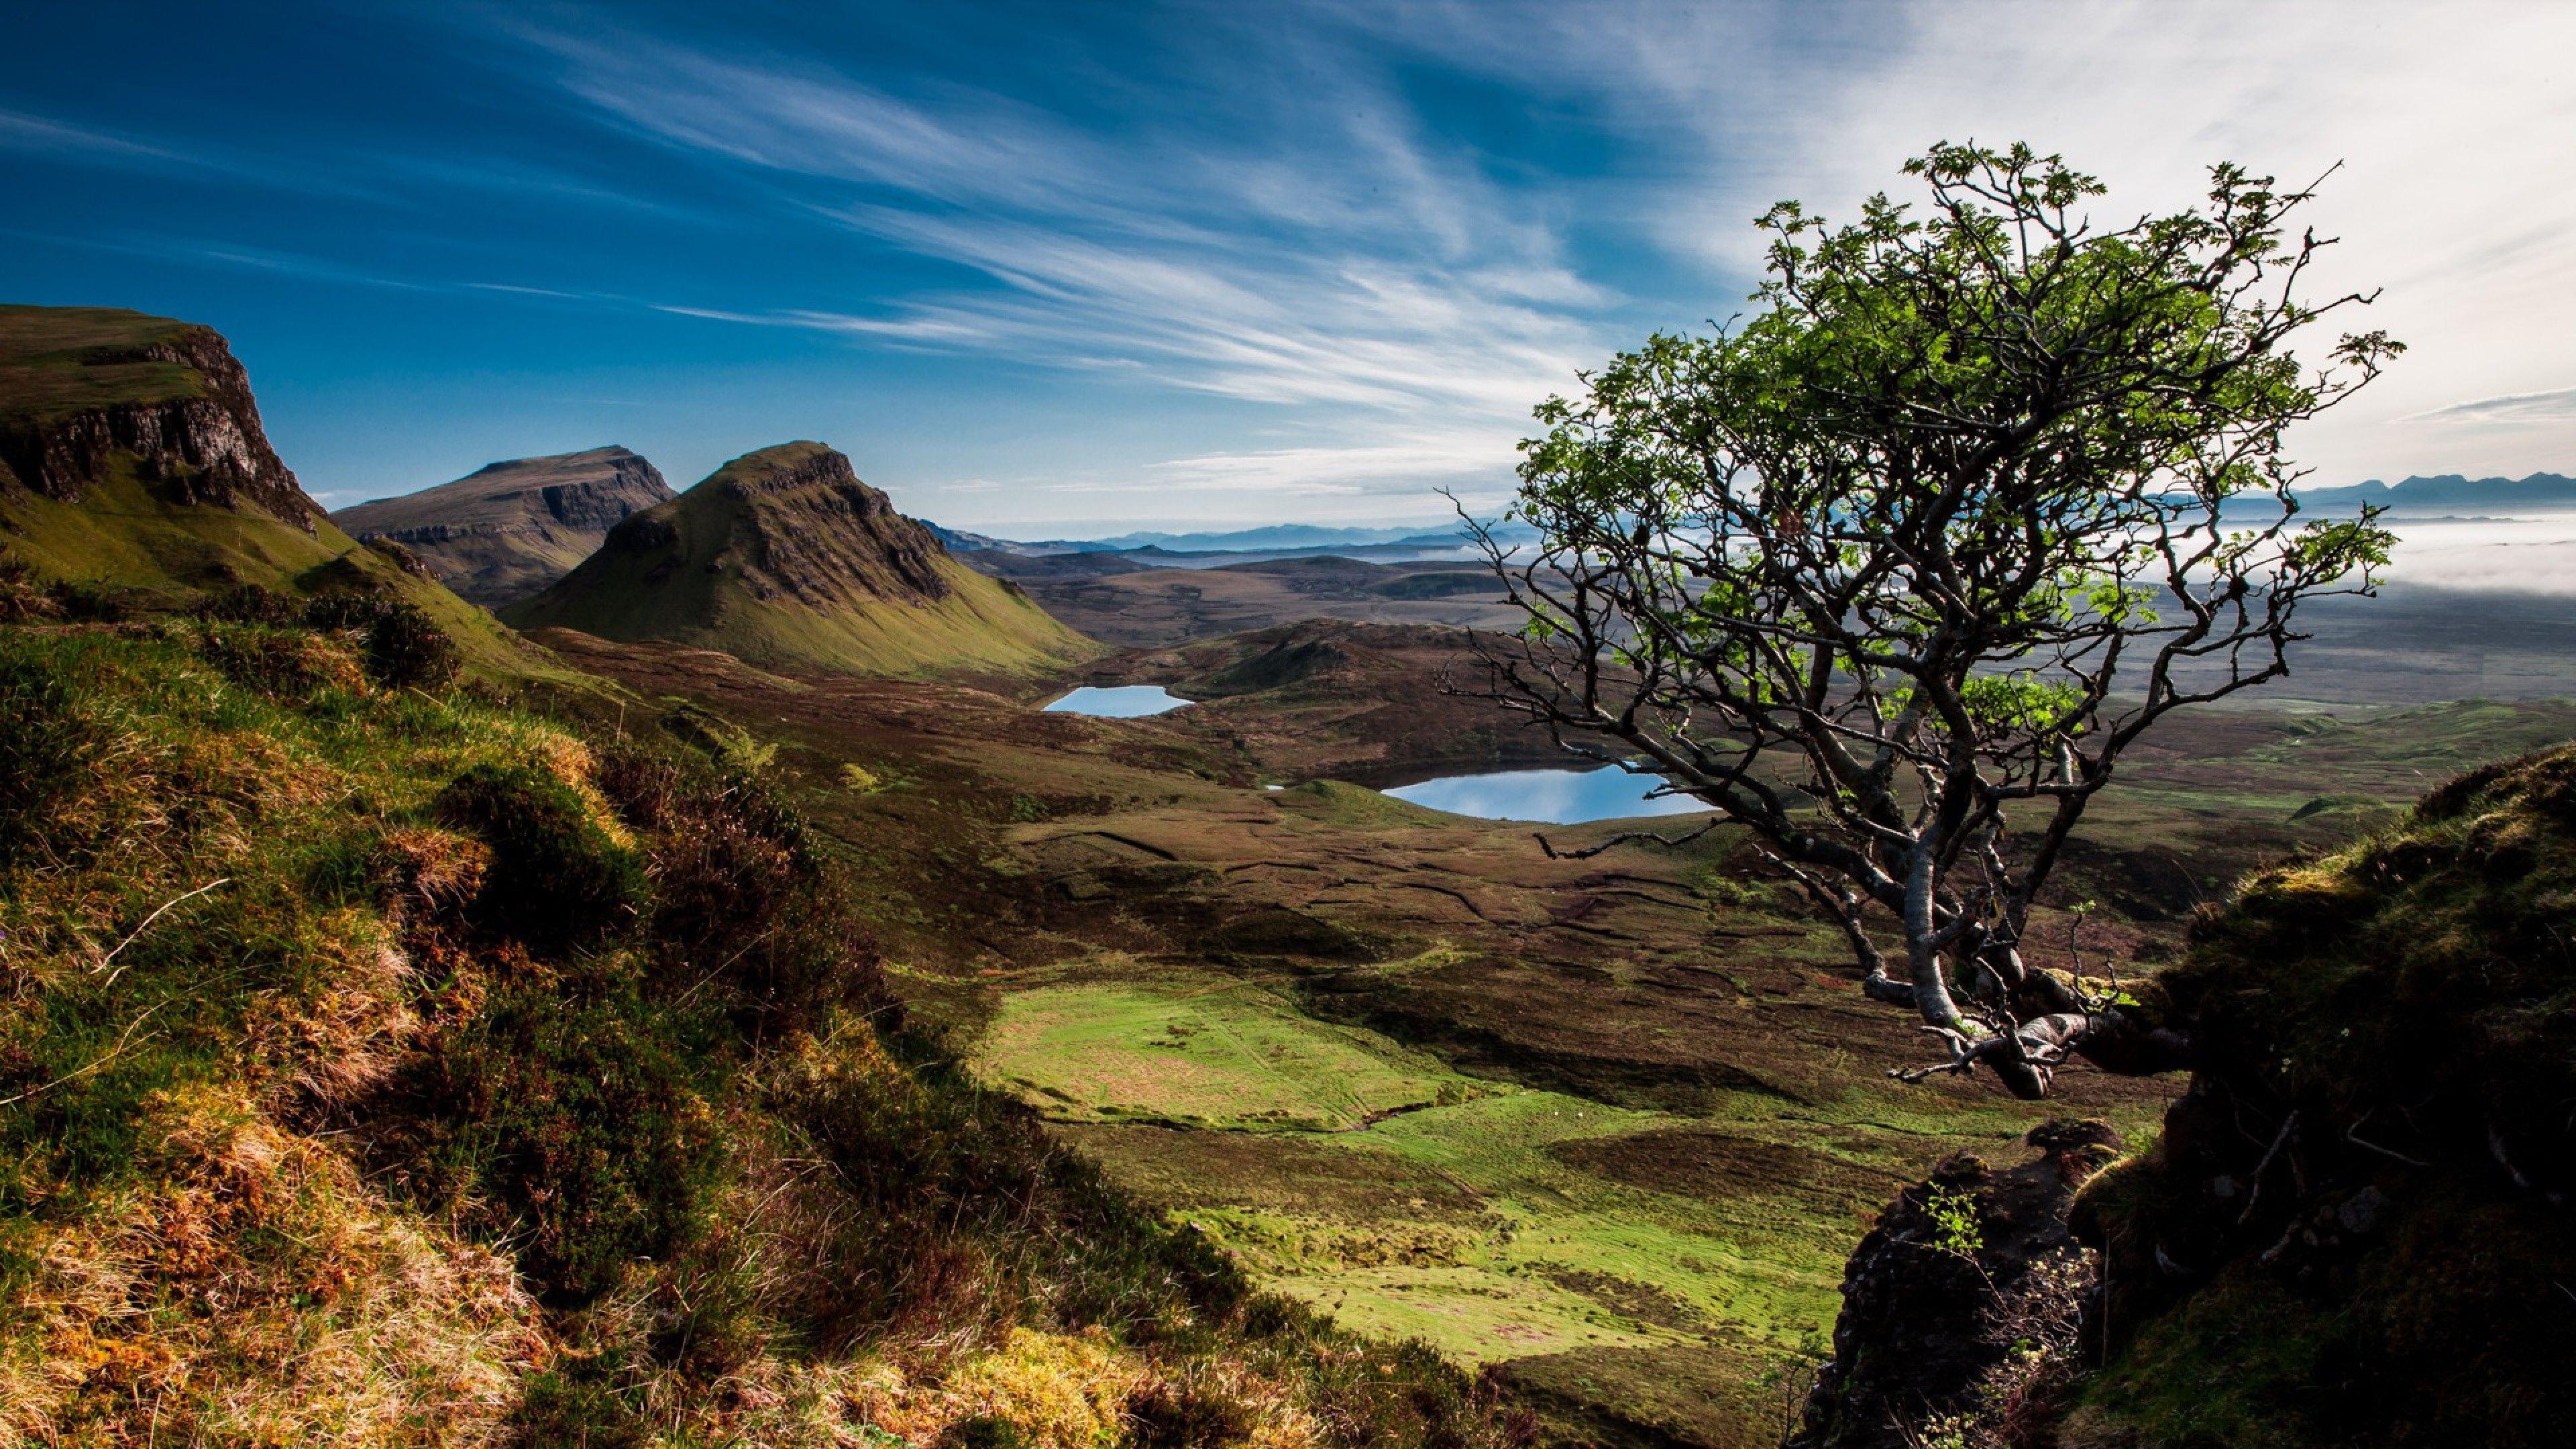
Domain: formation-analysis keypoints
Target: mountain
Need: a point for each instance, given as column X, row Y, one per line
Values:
column 505, row 531
column 2452, row 492
column 784, row 558
column 132, row 462
column 961, row 541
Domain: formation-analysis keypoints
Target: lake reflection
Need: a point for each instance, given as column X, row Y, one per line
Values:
column 1557, row 797
column 1125, row 701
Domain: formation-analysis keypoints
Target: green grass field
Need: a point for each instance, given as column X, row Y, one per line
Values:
column 1212, row 1053
column 1495, row 1221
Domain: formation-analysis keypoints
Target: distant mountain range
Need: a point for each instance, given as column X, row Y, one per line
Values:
column 1274, row 539
column 1285, row 535
column 2453, row 493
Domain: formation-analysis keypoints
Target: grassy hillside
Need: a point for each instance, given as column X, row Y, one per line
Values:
column 784, row 559
column 122, row 547
column 385, row 1067
column 47, row 369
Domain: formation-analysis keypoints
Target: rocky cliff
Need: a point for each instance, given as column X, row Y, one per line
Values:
column 2355, row 1228
column 784, row 558
column 135, row 478
column 506, row 531
column 80, row 385
column 1962, row 1307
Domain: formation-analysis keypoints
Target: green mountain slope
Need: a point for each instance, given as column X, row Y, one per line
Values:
column 784, row 558
column 132, row 462
column 504, row 532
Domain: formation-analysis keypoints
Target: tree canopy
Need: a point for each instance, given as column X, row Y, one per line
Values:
column 1893, row 571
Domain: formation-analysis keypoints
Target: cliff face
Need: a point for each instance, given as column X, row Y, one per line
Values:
column 508, row 530
column 784, row 557
column 80, row 385
column 1963, row 1301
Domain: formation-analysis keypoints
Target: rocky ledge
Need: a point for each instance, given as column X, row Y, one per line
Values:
column 197, row 435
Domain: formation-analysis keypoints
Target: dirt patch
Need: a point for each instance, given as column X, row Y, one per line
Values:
column 1268, row 1171
column 1695, row 1396
column 1703, row 1164
column 1629, row 1298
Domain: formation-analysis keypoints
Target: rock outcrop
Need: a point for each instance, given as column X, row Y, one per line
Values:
column 507, row 530
column 809, row 529
column 79, row 385
column 1955, row 1301
column 135, row 477
column 2354, row 1228
column 785, row 559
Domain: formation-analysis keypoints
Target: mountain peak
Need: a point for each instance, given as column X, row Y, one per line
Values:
column 508, row 529
column 784, row 557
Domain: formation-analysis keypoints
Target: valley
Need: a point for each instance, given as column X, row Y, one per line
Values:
column 1608, row 1126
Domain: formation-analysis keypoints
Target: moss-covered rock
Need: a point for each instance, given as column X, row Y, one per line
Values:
column 2354, row 1230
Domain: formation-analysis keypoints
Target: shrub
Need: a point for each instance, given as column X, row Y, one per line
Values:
column 1166, row 1415
column 21, row 598
column 741, row 898
column 577, row 1405
column 280, row 663
column 341, row 609
column 558, row 882
column 252, row 604
column 573, row 1128
column 407, row 650
column 403, row 646
column 983, row 1431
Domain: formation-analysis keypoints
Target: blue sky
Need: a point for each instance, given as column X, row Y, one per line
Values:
column 1082, row 268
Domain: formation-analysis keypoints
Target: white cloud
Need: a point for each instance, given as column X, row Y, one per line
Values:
column 2555, row 405
column 1405, row 309
column 2456, row 193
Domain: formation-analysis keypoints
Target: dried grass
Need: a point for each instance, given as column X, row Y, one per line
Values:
column 346, row 1039
column 258, row 1292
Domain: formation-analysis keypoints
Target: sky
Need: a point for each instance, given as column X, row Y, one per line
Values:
column 1077, row 269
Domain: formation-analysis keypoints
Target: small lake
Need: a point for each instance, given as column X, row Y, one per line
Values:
column 1123, row 701
column 1555, row 797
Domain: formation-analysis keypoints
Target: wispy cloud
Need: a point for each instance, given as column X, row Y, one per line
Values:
column 1194, row 257
column 2555, row 405
column 22, row 132
column 1364, row 274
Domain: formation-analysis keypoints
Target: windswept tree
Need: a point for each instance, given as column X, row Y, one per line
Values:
column 1892, row 573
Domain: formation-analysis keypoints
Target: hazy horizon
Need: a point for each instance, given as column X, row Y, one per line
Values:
column 1191, row 267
